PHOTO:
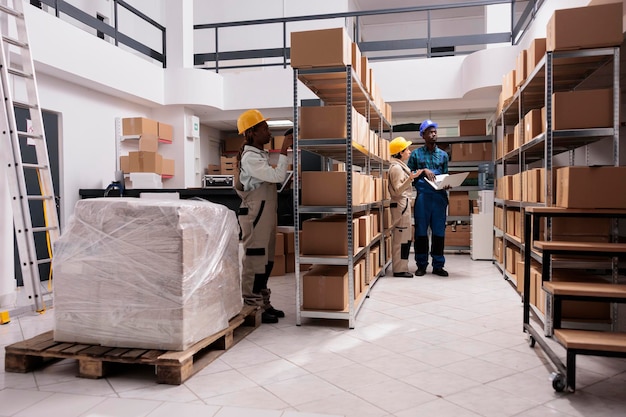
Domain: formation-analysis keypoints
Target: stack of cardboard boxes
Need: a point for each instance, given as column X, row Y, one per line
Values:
column 574, row 186
column 147, row 159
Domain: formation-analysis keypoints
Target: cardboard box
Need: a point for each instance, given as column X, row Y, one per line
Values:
column 142, row 161
column 279, row 247
column 473, row 127
column 457, row 235
column 458, row 203
column 577, row 230
column 149, row 142
column 279, row 266
column 321, row 48
column 356, row 59
column 169, row 167
column 585, row 27
column 534, row 54
column 365, row 230
column 289, row 237
column 590, row 187
column 166, row 132
column 322, row 122
column 227, row 163
column 328, row 236
column 139, row 126
column 582, row 109
column 125, row 163
column 233, row 143
column 213, row 170
column 365, row 73
column 325, row 287
column 479, row 151
column 532, row 125
column 508, row 86
column 328, row 188
column 520, row 68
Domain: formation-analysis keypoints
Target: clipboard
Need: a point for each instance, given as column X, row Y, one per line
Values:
column 285, row 182
column 444, row 180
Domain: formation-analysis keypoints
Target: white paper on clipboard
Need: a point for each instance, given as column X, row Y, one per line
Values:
column 444, row 180
column 286, row 181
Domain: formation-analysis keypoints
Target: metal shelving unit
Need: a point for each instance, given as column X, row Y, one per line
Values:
column 338, row 86
column 557, row 71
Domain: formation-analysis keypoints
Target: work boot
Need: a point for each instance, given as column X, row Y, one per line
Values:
column 403, row 275
column 440, row 271
column 268, row 318
column 267, row 306
column 421, row 271
column 274, row 312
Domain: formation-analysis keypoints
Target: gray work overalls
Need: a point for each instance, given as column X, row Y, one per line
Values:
column 401, row 237
column 257, row 219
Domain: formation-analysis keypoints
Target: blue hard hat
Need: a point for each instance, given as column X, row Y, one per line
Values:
column 426, row 124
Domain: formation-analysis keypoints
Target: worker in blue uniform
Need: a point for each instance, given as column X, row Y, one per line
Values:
column 430, row 204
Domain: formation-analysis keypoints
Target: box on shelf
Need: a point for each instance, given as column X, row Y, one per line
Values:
column 573, row 229
column 473, row 127
column 478, row 151
column 149, row 142
column 125, row 163
column 289, row 236
column 585, row 27
column 457, row 235
column 142, row 161
column 320, row 122
column 520, row 68
column 582, row 109
column 325, row 287
column 365, row 73
column 508, row 86
column 166, row 132
column 169, row 166
column 590, row 187
column 533, row 126
column 329, row 188
column 233, row 143
column 132, row 126
column 534, row 54
column 321, row 48
column 458, row 203
column 213, row 170
column 279, row 268
column 328, row 236
column 228, row 163
column 356, row 59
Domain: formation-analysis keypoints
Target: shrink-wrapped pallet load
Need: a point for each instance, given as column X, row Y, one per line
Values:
column 145, row 273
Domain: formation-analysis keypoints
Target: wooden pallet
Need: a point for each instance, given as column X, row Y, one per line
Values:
column 172, row 367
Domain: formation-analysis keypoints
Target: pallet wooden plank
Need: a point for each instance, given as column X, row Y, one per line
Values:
column 95, row 350
column 29, row 343
column 172, row 367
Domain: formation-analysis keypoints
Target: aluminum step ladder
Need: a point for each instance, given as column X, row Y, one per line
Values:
column 19, row 89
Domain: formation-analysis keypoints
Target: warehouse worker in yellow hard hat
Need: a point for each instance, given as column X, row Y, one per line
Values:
column 258, row 211
column 400, row 182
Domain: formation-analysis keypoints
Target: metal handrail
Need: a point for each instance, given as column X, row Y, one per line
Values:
column 61, row 6
column 429, row 43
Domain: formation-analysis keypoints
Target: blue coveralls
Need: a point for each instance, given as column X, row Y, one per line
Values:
column 430, row 207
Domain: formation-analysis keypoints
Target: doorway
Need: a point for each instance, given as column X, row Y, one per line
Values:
column 51, row 129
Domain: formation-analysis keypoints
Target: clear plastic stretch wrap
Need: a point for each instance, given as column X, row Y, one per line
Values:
column 144, row 273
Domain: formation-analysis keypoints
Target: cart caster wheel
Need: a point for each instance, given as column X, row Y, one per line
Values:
column 558, row 381
column 531, row 341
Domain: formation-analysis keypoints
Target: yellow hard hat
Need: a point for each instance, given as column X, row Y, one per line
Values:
column 248, row 119
column 398, row 145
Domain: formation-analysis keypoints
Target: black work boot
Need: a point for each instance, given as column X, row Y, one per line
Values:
column 268, row 318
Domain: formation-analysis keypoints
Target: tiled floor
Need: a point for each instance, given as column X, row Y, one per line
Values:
column 426, row 346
